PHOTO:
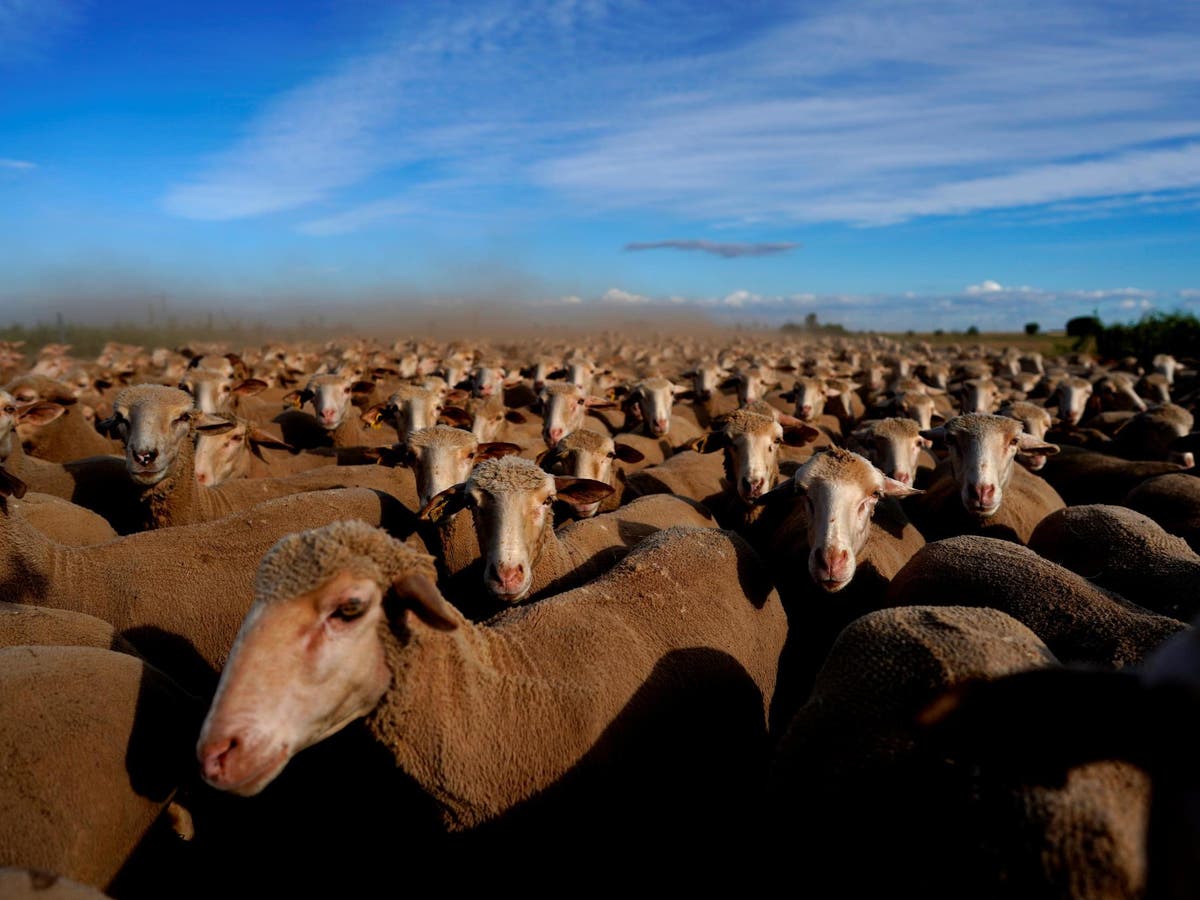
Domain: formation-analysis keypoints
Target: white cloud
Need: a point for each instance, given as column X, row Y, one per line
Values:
column 1190, row 294
column 985, row 287
column 616, row 295
column 983, row 107
column 358, row 217
column 17, row 164
column 570, row 300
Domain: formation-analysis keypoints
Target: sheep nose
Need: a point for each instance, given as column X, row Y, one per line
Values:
column 202, row 477
column 806, row 411
column 753, row 487
column 982, row 494
column 215, row 757
column 328, row 414
column 834, row 563
column 144, row 457
column 903, row 477
column 556, row 435
column 661, row 426
column 510, row 578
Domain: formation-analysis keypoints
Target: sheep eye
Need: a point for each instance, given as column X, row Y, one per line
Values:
column 349, row 609
column 183, row 420
column 1014, row 442
column 10, row 409
column 549, row 500
column 878, row 495
column 237, row 438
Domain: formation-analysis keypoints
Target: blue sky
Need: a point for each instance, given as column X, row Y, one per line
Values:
column 883, row 164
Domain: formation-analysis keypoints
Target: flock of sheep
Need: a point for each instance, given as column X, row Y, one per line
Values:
column 868, row 617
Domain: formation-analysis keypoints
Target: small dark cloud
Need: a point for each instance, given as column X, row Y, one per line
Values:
column 727, row 251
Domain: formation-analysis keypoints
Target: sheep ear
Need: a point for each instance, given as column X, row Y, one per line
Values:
column 445, row 504
column 580, row 491
column 494, row 450
column 787, row 368
column 936, row 435
column 1027, row 443
column 11, row 485
column 781, row 493
column 259, row 438
column 426, row 602
column 455, row 416
column 547, row 458
column 618, row 391
column 627, row 454
column 517, row 418
column 599, row 403
column 710, row 443
column 297, row 399
column 557, row 373
column 894, row 488
column 799, row 435
column 249, row 387
column 1186, row 443
column 213, row 428
column 373, row 416
column 40, row 413
column 728, row 383
column 685, row 394
column 110, row 426
column 458, row 394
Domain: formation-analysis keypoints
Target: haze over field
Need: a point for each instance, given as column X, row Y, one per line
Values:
column 886, row 165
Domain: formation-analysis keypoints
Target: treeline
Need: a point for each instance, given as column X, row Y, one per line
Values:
column 1176, row 333
column 811, row 326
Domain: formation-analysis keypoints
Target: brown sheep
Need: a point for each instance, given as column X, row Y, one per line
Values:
column 1084, row 476
column 523, row 557
column 1126, row 552
column 22, row 624
column 34, row 884
column 94, row 744
column 204, row 570
column 1078, row 621
column 980, row 490
column 855, row 771
column 71, row 436
column 568, row 719
column 594, row 456
column 1173, row 501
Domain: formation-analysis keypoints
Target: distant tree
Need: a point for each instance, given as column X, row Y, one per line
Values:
column 1083, row 329
column 938, row 332
column 973, row 330
column 810, row 321
column 1032, row 328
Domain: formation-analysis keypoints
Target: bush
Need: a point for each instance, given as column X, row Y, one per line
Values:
column 973, row 331
column 1032, row 328
column 1175, row 333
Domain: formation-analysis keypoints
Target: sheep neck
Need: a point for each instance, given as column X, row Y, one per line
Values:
column 445, row 692
column 173, row 500
column 35, row 569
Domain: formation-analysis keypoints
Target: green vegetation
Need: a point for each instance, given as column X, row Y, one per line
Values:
column 811, row 326
column 1175, row 333
column 1031, row 328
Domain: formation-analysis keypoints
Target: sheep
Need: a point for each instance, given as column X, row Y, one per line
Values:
column 410, row 408
column 217, row 392
column 1073, row 395
column 157, row 424
column 856, row 770
column 1156, row 388
column 1083, row 476
column 332, row 397
column 21, row 625
column 752, row 445
column 35, row 884
column 1173, row 501
column 1116, row 391
column 565, row 407
column 968, row 494
column 708, row 401
column 650, row 400
column 487, row 417
column 919, row 406
column 61, row 520
column 1126, row 552
column 586, row 454
column 832, row 527
column 94, row 744
column 523, row 557
column 1078, row 621
column 1036, row 421
column 69, row 437
column 572, row 719
column 895, row 446
column 979, row 396
column 1046, row 721
column 240, row 449
column 199, row 586
column 809, row 396
column 1155, row 434
column 441, row 457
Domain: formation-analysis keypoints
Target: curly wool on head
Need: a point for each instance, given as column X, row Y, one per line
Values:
column 744, row 421
column 895, row 428
column 150, row 393
column 979, row 424
column 508, row 474
column 302, row 562
column 442, row 436
column 835, row 464
column 585, row 441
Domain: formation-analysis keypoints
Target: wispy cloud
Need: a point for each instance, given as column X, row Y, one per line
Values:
column 947, row 108
column 28, row 27
column 20, row 165
column 727, row 251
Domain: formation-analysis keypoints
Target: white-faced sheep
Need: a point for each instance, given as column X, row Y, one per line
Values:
column 594, row 456
column 523, row 557
column 517, row 721
column 564, row 408
column 980, row 489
